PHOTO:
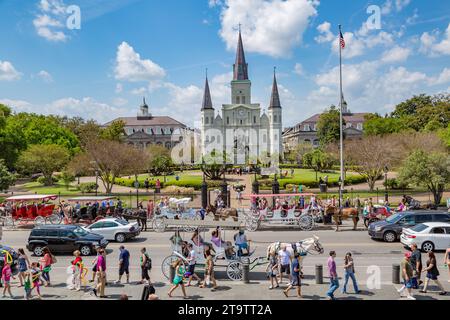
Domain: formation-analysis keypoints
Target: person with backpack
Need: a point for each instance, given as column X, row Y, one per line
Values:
column 146, row 266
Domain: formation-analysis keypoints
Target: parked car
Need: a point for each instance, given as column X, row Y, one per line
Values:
column 10, row 254
column 115, row 229
column 64, row 239
column 428, row 236
column 390, row 229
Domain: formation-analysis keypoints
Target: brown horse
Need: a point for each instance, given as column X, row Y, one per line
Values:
column 343, row 214
column 223, row 213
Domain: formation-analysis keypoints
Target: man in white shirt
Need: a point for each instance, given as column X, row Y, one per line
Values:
column 192, row 262
column 284, row 258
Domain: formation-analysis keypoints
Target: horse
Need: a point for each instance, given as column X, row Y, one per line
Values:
column 222, row 213
column 304, row 247
column 343, row 214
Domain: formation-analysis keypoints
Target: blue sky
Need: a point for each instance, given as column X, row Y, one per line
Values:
column 127, row 49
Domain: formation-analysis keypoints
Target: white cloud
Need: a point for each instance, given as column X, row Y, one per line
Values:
column 50, row 21
column 87, row 108
column 325, row 34
column 443, row 78
column 120, row 102
column 399, row 5
column 130, row 67
column 45, row 76
column 298, row 69
column 431, row 46
column 396, row 54
column 270, row 27
column 139, row 91
column 356, row 42
column 8, row 72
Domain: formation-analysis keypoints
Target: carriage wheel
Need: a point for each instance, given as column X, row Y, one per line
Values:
column 306, row 223
column 234, row 270
column 159, row 225
column 252, row 224
column 255, row 213
column 165, row 266
column 54, row 219
column 39, row 221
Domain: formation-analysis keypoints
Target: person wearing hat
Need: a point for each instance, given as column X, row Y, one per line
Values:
column 296, row 281
column 407, row 275
column 242, row 242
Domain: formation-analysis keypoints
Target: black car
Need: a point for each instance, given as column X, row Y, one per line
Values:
column 64, row 239
column 12, row 255
column 391, row 229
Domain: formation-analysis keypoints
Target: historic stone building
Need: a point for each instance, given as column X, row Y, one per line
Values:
column 306, row 131
column 243, row 130
column 146, row 129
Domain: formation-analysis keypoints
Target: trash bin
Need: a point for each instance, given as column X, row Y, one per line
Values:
column 319, row 274
column 323, row 188
column 396, row 274
column 246, row 271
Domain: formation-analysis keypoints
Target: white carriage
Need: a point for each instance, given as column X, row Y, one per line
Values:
column 177, row 209
column 231, row 262
column 286, row 212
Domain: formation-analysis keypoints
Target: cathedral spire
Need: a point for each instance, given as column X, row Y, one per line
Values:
column 240, row 66
column 275, row 98
column 207, row 101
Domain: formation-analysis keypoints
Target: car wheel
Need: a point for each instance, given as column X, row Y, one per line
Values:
column 85, row 250
column 389, row 236
column 38, row 251
column 428, row 246
column 120, row 237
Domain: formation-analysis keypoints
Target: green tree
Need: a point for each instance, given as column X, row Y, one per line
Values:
column 318, row 160
column 161, row 165
column 215, row 163
column 67, row 178
column 24, row 129
column 431, row 170
column 45, row 159
column 376, row 125
column 411, row 106
column 7, row 179
column 114, row 132
column 328, row 126
column 444, row 134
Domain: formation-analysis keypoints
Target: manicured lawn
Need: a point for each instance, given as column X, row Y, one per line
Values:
column 55, row 189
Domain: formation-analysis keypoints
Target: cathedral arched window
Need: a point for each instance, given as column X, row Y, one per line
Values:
column 275, row 118
column 254, row 119
column 243, row 100
column 207, row 120
column 228, row 120
column 238, row 100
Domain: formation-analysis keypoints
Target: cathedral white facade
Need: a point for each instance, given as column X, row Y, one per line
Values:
column 243, row 131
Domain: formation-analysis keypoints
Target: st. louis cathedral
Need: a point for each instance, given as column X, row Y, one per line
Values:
column 243, row 131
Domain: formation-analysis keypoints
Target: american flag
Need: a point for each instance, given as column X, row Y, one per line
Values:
column 342, row 40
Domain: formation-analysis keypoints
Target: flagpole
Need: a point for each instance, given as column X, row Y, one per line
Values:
column 341, row 187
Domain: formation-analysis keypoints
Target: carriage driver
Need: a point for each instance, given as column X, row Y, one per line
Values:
column 241, row 242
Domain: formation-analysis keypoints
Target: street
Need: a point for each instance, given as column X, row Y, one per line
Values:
column 372, row 258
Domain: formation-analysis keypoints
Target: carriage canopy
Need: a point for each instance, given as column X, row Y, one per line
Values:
column 32, row 197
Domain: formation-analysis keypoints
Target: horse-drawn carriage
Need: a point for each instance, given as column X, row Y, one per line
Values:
column 27, row 209
column 225, row 256
column 286, row 211
column 175, row 209
column 378, row 213
column 86, row 210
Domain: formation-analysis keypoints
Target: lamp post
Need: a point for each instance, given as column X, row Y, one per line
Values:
column 255, row 185
column 224, row 187
column 275, row 189
column 96, row 183
column 136, row 185
column 386, row 194
column 204, row 187
column 340, row 192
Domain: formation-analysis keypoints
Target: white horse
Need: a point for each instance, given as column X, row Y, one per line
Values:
column 304, row 247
